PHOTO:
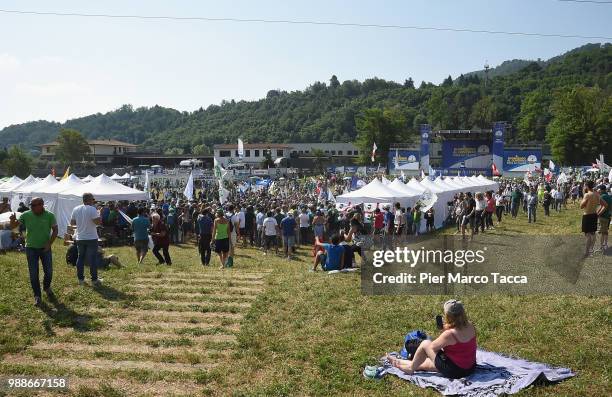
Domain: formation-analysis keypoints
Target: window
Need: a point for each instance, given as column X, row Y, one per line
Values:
column 349, row 152
column 306, row 151
column 247, row 153
column 225, row 153
column 327, row 152
column 340, row 152
column 279, row 152
column 236, row 152
column 256, row 152
column 333, row 152
column 356, row 152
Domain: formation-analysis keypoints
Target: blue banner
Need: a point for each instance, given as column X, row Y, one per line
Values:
column 499, row 132
column 406, row 160
column 464, row 153
column 522, row 160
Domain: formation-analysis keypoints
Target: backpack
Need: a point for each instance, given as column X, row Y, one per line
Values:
column 412, row 340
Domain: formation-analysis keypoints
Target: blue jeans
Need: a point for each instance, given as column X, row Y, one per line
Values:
column 33, row 255
column 88, row 252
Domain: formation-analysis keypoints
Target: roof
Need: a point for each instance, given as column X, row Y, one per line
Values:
column 253, row 146
column 100, row 142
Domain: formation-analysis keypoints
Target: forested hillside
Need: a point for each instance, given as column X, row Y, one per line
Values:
column 326, row 111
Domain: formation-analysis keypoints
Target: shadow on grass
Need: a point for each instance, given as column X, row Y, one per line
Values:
column 109, row 293
column 65, row 316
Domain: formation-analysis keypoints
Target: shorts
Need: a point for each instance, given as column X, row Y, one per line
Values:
column 468, row 220
column 141, row 245
column 270, row 241
column 449, row 369
column 222, row 245
column 289, row 241
column 604, row 225
column 589, row 223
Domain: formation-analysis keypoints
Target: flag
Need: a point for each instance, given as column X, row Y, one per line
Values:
column 66, row 173
column 374, row 147
column 127, row 218
column 495, row 170
column 547, row 175
column 223, row 193
column 422, row 174
column 218, row 170
column 431, row 171
column 188, row 192
column 403, row 176
column 610, row 176
column 551, row 165
column 240, row 148
column 396, row 159
column 146, row 183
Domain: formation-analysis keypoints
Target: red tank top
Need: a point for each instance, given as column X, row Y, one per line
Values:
column 462, row 353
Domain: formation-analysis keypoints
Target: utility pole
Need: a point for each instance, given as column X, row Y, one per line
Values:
column 486, row 69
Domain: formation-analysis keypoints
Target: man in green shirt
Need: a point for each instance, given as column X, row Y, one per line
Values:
column 41, row 231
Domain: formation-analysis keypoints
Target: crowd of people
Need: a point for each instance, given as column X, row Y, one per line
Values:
column 290, row 214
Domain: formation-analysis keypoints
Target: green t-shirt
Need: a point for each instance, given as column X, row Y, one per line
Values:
column 38, row 228
column 608, row 199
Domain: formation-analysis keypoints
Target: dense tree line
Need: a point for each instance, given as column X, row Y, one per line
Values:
column 523, row 93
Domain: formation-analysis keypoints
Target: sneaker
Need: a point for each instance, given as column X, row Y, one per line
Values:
column 37, row 301
column 97, row 282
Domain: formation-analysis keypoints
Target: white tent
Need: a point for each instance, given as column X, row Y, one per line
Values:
column 385, row 181
column 88, row 178
column 126, row 176
column 24, row 193
column 30, row 180
column 49, row 193
column 373, row 192
column 103, row 189
column 9, row 185
column 116, row 177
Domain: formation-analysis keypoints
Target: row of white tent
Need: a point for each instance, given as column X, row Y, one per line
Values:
column 408, row 194
column 61, row 197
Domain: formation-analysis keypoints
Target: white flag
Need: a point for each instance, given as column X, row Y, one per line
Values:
column 218, row 170
column 240, row 148
column 374, row 147
column 223, row 193
column 403, row 176
column 146, row 183
column 188, row 192
column 422, row 174
column 551, row 165
column 396, row 159
column 610, row 175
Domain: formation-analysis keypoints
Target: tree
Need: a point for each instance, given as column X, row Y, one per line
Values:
column 267, row 161
column 333, row 82
column 17, row 162
column 534, row 115
column 72, row 147
column 581, row 126
column 382, row 127
column 409, row 83
column 174, row 151
column 448, row 82
column 200, row 150
column 484, row 113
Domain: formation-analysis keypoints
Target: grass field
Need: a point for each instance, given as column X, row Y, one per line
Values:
column 268, row 327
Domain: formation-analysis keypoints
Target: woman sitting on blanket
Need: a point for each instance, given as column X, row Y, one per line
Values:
column 453, row 353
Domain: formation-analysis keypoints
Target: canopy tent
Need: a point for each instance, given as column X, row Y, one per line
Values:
column 385, row 181
column 126, row 176
column 444, row 184
column 375, row 192
column 88, row 178
column 24, row 193
column 103, row 189
column 30, row 180
column 49, row 193
column 116, row 177
column 9, row 185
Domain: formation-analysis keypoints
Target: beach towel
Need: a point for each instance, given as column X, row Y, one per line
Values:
column 495, row 375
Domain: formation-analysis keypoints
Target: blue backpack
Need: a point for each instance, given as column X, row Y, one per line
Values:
column 411, row 343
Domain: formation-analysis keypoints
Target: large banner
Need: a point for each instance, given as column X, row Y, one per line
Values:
column 499, row 131
column 465, row 153
column 407, row 160
column 425, row 136
column 522, row 160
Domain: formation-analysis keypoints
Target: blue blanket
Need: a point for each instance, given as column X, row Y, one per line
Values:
column 495, row 375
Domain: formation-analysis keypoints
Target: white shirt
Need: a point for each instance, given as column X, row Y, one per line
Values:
column 499, row 200
column 399, row 218
column 481, row 205
column 304, row 219
column 269, row 225
column 85, row 226
column 241, row 219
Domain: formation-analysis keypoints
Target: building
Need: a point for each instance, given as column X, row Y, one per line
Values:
column 101, row 151
column 255, row 153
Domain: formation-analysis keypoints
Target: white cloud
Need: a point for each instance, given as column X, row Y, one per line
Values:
column 9, row 63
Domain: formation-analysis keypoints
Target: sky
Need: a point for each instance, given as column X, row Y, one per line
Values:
column 59, row 67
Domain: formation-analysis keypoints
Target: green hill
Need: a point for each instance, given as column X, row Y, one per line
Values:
column 326, row 111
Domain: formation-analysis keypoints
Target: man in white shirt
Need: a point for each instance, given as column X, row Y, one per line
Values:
column 86, row 219
column 242, row 225
column 304, row 221
column 270, row 231
column 259, row 218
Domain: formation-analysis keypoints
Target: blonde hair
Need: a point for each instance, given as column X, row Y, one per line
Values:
column 458, row 320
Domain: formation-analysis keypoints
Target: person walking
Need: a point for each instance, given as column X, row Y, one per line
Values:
column 288, row 226
column 86, row 219
column 205, row 226
column 161, row 239
column 41, row 230
column 140, row 227
column 221, row 233
column 604, row 214
column 532, row 203
column 589, row 204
